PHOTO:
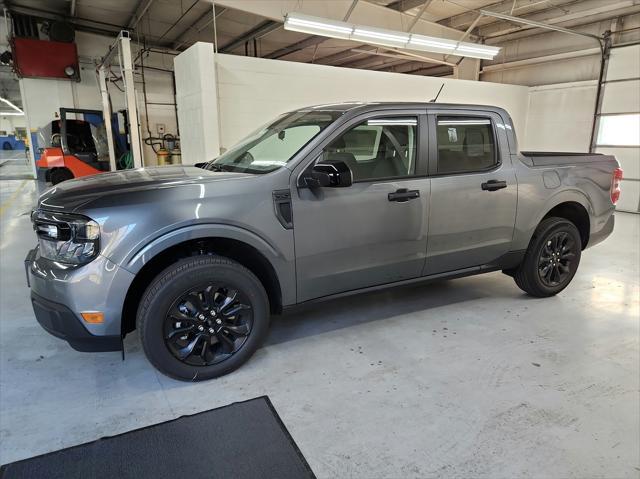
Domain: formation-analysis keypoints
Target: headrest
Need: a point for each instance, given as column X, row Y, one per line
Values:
column 474, row 142
column 339, row 143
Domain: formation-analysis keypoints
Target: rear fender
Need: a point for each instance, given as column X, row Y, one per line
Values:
column 526, row 227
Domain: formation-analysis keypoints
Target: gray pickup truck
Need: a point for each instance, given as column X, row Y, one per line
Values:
column 324, row 201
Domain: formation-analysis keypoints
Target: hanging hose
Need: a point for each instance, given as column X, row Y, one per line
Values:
column 126, row 161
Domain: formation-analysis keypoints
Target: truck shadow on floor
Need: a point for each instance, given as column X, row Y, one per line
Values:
column 321, row 317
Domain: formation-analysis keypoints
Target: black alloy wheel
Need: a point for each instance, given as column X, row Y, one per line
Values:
column 202, row 317
column 208, row 324
column 551, row 260
column 554, row 262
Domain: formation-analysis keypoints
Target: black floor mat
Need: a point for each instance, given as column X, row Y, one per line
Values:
column 241, row 440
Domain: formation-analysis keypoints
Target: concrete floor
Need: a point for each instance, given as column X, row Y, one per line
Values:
column 14, row 165
column 466, row 378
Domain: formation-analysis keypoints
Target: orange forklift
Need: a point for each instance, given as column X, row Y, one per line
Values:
column 78, row 147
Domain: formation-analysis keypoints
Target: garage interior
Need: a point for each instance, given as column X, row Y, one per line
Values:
column 453, row 378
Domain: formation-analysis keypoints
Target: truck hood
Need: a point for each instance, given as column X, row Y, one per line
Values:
column 71, row 195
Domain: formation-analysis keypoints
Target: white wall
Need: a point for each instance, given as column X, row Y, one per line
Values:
column 196, row 94
column 560, row 117
column 253, row 91
column 9, row 123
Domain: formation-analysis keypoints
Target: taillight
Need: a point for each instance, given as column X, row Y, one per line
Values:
column 615, row 185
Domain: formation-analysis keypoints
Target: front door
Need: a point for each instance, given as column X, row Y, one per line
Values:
column 374, row 231
column 473, row 192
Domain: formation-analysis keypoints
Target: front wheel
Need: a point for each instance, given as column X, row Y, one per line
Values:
column 202, row 317
column 552, row 259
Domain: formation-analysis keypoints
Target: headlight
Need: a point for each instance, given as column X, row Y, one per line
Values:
column 66, row 238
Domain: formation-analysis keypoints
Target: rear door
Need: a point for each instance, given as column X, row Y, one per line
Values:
column 473, row 190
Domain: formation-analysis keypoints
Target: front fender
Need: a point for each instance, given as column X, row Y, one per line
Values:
column 283, row 266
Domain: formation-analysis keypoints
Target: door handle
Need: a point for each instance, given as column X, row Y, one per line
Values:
column 493, row 185
column 403, row 195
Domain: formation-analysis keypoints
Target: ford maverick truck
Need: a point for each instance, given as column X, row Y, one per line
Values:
column 324, row 201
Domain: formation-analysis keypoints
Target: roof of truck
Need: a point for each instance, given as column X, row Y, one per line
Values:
column 360, row 107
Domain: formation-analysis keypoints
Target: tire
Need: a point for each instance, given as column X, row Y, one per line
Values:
column 536, row 275
column 59, row 175
column 165, row 338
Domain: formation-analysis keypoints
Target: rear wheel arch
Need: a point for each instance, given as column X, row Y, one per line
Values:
column 239, row 251
column 577, row 214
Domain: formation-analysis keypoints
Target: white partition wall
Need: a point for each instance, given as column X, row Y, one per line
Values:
column 252, row 91
column 196, row 98
column 560, row 117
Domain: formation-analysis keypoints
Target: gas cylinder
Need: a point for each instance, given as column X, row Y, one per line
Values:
column 163, row 156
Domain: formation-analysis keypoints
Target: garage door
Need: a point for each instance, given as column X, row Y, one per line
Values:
column 618, row 128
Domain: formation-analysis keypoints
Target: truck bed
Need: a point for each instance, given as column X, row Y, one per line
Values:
column 555, row 158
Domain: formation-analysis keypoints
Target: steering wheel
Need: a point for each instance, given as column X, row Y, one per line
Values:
column 245, row 159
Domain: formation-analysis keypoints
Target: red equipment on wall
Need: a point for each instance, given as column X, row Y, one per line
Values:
column 34, row 58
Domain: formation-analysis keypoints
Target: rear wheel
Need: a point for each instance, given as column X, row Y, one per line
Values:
column 202, row 317
column 59, row 175
column 552, row 259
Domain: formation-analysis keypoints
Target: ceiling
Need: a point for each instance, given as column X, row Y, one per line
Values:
column 176, row 24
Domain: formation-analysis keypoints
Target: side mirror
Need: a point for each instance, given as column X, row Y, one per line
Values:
column 201, row 165
column 328, row 173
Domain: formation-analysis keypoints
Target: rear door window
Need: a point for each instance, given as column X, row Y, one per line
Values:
column 465, row 144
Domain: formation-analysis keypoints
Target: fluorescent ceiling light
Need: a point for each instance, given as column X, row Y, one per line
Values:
column 7, row 102
column 11, row 113
column 318, row 26
column 378, row 36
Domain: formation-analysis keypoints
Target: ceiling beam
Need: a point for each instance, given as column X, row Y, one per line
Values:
column 405, row 5
column 587, row 23
column 197, row 26
column 463, row 20
column 364, row 13
column 141, row 8
column 301, row 45
column 466, row 33
column 366, row 62
column 257, row 32
column 370, row 61
column 389, row 65
column 350, row 11
column 173, row 25
column 555, row 15
column 83, row 24
column 344, row 55
column 424, row 7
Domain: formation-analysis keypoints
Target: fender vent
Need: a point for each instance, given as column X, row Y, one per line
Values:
column 282, row 205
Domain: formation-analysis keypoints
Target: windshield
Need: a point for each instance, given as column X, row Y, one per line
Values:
column 272, row 146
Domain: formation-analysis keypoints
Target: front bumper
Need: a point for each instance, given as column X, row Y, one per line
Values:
column 60, row 293
column 62, row 323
